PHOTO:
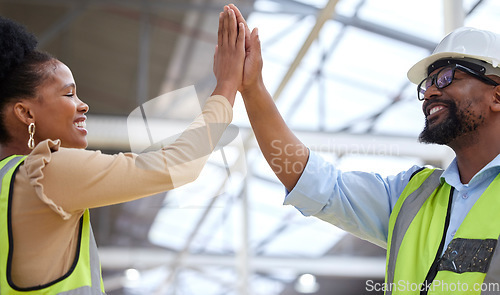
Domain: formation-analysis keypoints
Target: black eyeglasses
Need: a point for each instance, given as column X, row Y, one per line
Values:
column 445, row 76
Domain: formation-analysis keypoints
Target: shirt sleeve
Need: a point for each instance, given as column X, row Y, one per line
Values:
column 357, row 202
column 70, row 180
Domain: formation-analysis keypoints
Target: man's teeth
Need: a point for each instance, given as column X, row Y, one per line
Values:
column 80, row 124
column 435, row 109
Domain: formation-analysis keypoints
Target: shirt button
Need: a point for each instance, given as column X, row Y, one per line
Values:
column 465, row 196
column 453, row 233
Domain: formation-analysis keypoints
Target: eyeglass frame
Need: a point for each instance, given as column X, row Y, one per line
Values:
column 453, row 67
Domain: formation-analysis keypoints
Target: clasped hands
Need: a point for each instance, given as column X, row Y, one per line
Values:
column 237, row 58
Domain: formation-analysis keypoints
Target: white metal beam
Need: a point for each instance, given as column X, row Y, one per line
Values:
column 144, row 45
column 324, row 15
column 116, row 258
column 110, row 132
column 454, row 15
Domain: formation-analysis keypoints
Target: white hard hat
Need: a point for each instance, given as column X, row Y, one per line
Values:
column 471, row 43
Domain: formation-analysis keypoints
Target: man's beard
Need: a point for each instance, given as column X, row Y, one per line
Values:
column 456, row 124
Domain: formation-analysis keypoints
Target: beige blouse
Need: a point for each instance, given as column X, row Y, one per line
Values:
column 55, row 185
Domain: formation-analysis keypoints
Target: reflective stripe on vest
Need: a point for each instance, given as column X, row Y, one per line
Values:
column 410, row 205
column 84, row 277
column 416, row 228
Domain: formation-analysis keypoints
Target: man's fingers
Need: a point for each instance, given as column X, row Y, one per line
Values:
column 255, row 38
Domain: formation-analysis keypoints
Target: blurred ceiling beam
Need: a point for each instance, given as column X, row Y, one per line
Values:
column 110, row 132
column 454, row 15
column 63, row 23
column 323, row 15
column 116, row 258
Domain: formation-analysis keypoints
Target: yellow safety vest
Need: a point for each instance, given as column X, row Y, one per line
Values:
column 471, row 263
column 83, row 278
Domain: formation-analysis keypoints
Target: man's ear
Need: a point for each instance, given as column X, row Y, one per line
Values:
column 496, row 99
column 24, row 112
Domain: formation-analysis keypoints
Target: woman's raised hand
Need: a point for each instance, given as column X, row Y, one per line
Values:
column 229, row 55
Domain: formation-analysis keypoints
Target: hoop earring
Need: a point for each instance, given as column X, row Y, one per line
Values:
column 31, row 132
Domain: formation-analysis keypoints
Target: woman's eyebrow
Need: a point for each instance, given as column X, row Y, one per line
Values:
column 69, row 85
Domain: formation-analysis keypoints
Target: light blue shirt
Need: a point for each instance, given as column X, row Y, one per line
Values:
column 361, row 202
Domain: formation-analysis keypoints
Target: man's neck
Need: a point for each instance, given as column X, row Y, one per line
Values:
column 474, row 156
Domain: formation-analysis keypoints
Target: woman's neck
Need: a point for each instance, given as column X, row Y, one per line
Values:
column 10, row 149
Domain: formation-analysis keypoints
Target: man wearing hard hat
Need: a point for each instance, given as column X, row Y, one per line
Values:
column 440, row 228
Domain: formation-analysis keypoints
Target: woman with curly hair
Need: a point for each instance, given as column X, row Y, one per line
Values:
column 49, row 180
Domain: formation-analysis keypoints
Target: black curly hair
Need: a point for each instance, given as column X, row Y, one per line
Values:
column 22, row 67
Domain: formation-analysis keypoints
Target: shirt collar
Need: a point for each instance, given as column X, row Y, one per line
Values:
column 452, row 176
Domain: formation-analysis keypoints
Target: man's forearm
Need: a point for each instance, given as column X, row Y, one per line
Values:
column 283, row 151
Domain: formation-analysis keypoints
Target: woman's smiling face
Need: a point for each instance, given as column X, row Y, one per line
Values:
column 57, row 111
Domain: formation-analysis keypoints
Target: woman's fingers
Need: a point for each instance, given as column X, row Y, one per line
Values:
column 234, row 26
column 239, row 17
column 220, row 30
column 228, row 32
column 214, row 67
column 240, row 42
column 229, row 54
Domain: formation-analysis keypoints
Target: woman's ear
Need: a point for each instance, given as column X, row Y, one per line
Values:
column 23, row 112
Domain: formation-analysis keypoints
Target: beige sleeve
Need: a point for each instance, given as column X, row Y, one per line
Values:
column 69, row 180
